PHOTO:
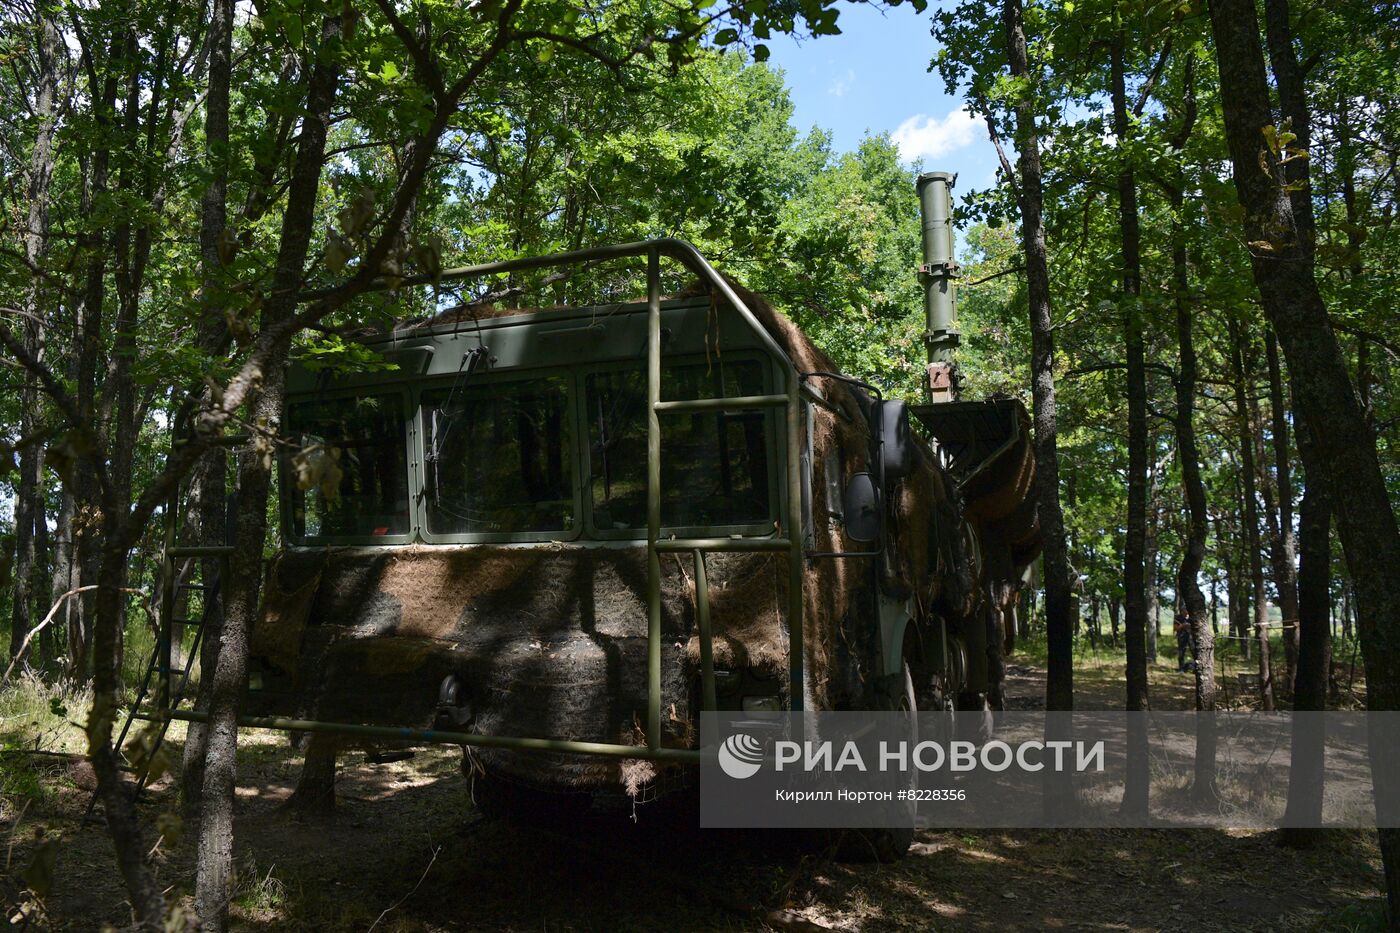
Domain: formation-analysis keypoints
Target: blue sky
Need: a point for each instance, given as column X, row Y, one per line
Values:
column 874, row 77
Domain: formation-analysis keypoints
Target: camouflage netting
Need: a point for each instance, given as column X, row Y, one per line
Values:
column 550, row 640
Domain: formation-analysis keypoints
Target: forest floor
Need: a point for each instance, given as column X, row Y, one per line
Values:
column 406, row 851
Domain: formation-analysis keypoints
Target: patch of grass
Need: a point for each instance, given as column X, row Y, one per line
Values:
column 22, row 783
column 137, row 644
column 1101, row 666
column 258, row 892
column 37, row 714
column 49, row 714
column 139, row 641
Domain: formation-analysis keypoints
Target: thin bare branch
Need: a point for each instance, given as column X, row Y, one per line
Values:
column 1147, row 86
column 48, row 619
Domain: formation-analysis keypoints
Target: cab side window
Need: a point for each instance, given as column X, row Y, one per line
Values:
column 714, row 465
column 363, row 438
column 499, row 458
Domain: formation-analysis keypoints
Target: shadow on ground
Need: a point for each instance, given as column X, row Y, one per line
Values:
column 407, row 850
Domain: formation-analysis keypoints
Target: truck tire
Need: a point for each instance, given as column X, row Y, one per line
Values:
column 889, row 844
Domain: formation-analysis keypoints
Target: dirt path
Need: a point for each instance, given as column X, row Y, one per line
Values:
column 407, row 849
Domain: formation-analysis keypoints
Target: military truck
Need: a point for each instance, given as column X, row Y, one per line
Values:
column 555, row 535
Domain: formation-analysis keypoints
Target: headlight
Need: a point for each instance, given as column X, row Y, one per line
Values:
column 763, row 704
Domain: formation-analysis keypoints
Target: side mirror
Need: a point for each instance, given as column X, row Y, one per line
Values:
column 892, row 417
column 862, row 509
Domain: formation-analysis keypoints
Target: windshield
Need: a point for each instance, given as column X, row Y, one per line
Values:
column 371, row 498
column 714, row 466
column 499, row 458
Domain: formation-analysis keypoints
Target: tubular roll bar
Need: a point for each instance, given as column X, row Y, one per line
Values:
column 790, row 539
column 437, row 737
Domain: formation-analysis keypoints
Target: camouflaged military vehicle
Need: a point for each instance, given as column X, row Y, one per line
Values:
column 558, row 534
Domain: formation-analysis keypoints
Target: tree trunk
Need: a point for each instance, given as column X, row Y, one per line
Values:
column 1059, row 682
column 1253, row 546
column 123, row 824
column 62, row 570
column 1264, row 486
column 215, row 877
column 314, row 796
column 88, row 543
column 117, row 407
column 1305, row 774
column 44, row 647
column 1135, row 791
column 1193, row 552
column 1059, row 610
column 1025, row 608
column 207, row 490
column 1214, row 606
column 1151, row 563
column 29, row 506
column 207, row 506
column 1237, row 582
column 27, row 493
column 1344, row 608
column 1325, row 399
column 1347, row 165
column 1284, row 546
column 209, row 501
column 240, row 602
column 996, row 659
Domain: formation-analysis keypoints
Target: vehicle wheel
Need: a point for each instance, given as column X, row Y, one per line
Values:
column 889, row 844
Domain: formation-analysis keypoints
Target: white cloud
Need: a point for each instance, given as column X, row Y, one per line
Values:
column 925, row 137
column 840, row 85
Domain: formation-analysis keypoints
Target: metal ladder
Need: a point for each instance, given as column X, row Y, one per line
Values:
column 791, row 527
column 169, row 694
